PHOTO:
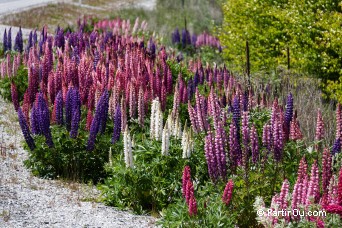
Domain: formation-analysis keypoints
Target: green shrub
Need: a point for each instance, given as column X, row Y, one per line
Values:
column 212, row 212
column 155, row 180
column 20, row 80
column 310, row 29
column 69, row 158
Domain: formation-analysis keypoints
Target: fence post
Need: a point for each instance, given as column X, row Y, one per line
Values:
column 288, row 58
column 248, row 71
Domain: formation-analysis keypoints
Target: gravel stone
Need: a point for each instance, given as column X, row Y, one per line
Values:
column 28, row 201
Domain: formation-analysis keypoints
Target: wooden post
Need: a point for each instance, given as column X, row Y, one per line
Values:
column 288, row 58
column 248, row 66
column 185, row 22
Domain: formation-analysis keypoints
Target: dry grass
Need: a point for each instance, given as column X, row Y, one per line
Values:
column 100, row 3
column 52, row 15
column 307, row 99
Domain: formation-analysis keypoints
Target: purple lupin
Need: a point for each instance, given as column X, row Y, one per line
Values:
column 44, row 119
column 59, row 108
column 76, row 113
column 117, row 125
column 25, row 129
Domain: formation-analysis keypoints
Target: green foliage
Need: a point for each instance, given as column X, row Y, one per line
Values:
column 212, row 212
column 69, row 158
column 179, row 68
column 310, row 29
column 155, row 180
column 20, row 80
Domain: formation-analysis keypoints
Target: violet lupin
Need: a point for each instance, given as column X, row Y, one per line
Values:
column 96, row 122
column 44, row 120
column 76, row 113
column 9, row 39
column 176, row 36
column 18, row 45
column 105, row 108
column 34, row 121
column 59, row 108
column 288, row 115
column 336, row 148
column 25, row 129
column 4, row 41
column 117, row 125
column 68, row 108
column 234, row 145
column 236, row 113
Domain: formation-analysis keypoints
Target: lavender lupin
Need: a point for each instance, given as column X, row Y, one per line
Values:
column 336, row 147
column 288, row 115
column 25, row 129
column 68, row 108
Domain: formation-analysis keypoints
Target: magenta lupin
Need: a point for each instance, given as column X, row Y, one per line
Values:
column 326, row 169
column 210, row 156
column 192, row 116
column 254, row 144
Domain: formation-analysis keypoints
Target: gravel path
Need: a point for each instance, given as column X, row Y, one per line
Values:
column 28, row 201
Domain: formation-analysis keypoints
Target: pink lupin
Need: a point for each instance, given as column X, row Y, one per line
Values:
column 326, row 169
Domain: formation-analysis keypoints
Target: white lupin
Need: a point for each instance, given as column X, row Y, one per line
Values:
column 110, row 156
column 187, row 142
column 165, row 140
column 156, row 125
column 158, row 121
column 128, row 149
column 152, row 119
column 169, row 121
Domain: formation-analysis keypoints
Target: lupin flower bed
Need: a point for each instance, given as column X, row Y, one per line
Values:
column 187, row 141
